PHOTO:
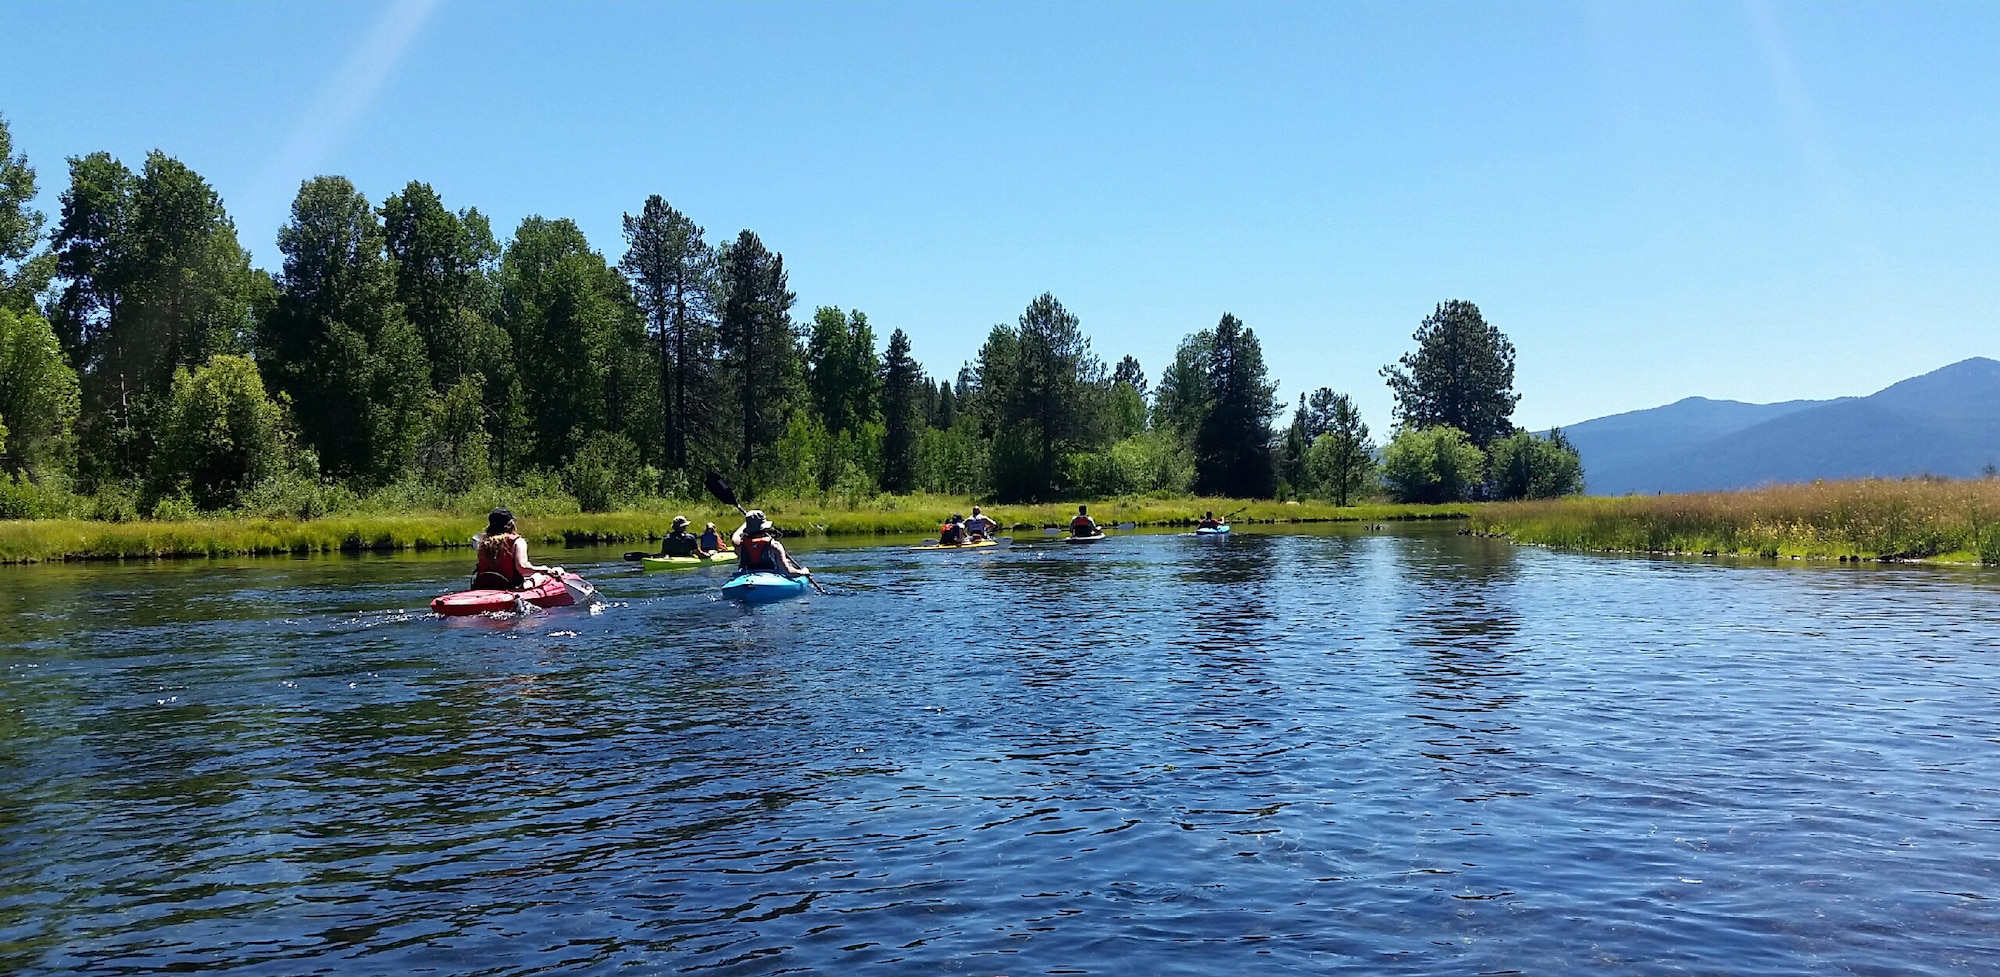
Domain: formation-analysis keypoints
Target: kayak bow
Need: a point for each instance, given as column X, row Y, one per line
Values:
column 763, row 587
column 553, row 592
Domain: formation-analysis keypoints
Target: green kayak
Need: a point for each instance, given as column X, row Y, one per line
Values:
column 681, row 562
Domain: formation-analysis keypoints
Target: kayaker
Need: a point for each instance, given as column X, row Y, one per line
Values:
column 758, row 550
column 680, row 542
column 503, row 557
column 1208, row 520
column 1083, row 525
column 952, row 533
column 980, row 525
column 711, row 541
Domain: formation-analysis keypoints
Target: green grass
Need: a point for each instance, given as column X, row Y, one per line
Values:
column 1871, row 519
column 37, row 540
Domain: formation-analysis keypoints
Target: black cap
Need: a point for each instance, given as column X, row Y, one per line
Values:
column 497, row 520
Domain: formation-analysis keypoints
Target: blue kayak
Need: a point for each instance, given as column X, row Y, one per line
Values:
column 763, row 587
column 1217, row 531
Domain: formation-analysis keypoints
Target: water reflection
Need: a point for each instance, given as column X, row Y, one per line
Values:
column 1155, row 756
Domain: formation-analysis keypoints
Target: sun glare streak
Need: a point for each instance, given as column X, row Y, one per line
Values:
column 1803, row 119
column 344, row 97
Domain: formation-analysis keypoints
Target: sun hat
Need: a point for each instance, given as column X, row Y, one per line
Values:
column 680, row 522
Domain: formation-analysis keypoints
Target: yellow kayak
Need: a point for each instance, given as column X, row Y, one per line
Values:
column 679, row 562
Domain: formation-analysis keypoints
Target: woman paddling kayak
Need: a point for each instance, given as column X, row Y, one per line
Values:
column 503, row 557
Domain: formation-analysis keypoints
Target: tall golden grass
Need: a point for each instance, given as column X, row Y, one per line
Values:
column 37, row 540
column 1922, row 518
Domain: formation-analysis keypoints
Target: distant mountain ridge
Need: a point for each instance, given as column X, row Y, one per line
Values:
column 1945, row 422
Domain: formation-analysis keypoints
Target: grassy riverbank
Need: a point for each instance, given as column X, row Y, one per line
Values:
column 1873, row 519
column 27, row 541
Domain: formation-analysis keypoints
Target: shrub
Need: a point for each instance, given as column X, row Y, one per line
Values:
column 604, row 471
column 1432, row 465
column 220, row 436
column 1523, row 466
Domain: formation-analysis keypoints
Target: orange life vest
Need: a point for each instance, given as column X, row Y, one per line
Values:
column 756, row 554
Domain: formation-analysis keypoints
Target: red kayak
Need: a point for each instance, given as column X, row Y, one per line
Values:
column 552, row 593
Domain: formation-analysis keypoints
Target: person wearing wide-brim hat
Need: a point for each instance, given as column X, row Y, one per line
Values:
column 758, row 549
column 680, row 542
column 503, row 557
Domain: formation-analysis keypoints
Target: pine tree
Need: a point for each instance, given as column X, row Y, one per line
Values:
column 900, row 431
column 1233, row 440
column 1461, row 375
column 673, row 272
column 759, row 354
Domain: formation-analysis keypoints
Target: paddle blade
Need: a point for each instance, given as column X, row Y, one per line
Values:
column 637, row 555
column 720, row 488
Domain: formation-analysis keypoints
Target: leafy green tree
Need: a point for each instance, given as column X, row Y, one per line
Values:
column 674, row 280
column 1432, row 465
column 901, row 433
column 454, row 452
column 38, row 398
column 1341, row 462
column 844, row 383
column 337, row 341
column 152, row 280
column 1460, row 375
column 1183, row 396
column 442, row 262
column 759, row 355
column 1232, row 454
column 1522, row 466
column 22, row 273
column 220, row 435
column 578, row 339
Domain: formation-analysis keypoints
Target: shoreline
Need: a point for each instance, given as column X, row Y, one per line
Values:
column 34, row 541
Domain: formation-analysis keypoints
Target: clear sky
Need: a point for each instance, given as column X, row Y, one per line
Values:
column 1755, row 201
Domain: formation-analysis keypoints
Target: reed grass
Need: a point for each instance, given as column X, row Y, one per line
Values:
column 38, row 540
column 1870, row 519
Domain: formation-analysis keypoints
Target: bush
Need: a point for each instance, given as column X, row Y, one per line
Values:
column 453, row 452
column 173, row 508
column 1523, row 466
column 604, row 472
column 1432, row 465
column 23, row 498
column 220, row 436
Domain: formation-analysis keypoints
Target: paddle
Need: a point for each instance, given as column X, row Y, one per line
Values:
column 1057, row 530
column 721, row 489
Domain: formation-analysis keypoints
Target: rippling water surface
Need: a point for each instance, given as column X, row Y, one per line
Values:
column 1372, row 753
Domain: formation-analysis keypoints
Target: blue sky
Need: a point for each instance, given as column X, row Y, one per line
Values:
column 1742, row 200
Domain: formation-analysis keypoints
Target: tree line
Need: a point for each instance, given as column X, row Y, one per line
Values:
column 147, row 367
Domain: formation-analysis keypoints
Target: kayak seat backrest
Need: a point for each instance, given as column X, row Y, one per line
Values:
column 488, row 580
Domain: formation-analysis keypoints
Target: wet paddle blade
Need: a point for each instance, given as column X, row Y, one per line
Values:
column 720, row 488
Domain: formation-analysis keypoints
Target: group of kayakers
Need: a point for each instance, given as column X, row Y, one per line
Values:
column 504, row 565
column 962, row 531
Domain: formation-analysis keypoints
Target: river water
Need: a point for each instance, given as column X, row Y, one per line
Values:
column 1397, row 752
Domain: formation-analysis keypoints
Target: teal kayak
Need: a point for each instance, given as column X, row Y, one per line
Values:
column 763, row 587
column 1222, row 530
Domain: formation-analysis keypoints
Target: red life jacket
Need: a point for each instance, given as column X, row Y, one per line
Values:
column 498, row 555
column 949, row 535
column 1083, row 526
column 756, row 554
